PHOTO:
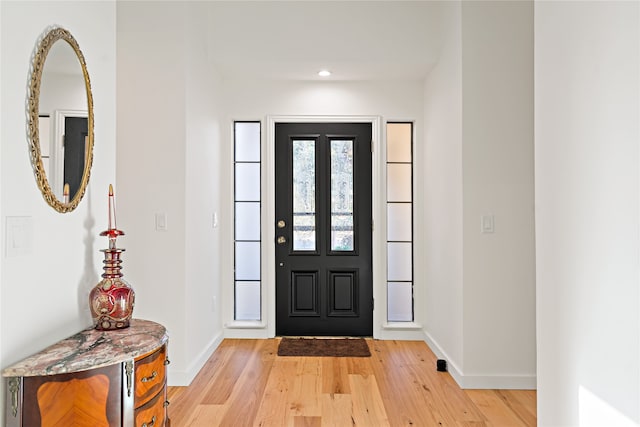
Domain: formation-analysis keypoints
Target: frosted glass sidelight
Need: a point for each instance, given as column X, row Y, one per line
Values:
column 247, row 140
column 247, row 260
column 399, row 261
column 342, row 195
column 399, row 222
column 247, row 221
column 248, row 182
column 399, row 302
column 399, row 142
column 304, row 195
column 247, row 301
column 399, row 182
column 247, row 257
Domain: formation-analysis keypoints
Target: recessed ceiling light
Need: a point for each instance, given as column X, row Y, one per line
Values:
column 324, row 73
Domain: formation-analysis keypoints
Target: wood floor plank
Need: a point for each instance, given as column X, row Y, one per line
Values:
column 181, row 407
column 206, row 416
column 519, row 403
column 275, row 400
column 246, row 397
column 307, row 421
column 337, row 410
column 501, row 408
column 227, row 378
column 335, row 375
column 368, row 409
column 526, row 404
column 397, row 386
column 406, row 402
column 444, row 393
column 307, row 387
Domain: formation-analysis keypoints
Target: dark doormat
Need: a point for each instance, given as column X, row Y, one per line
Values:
column 315, row 347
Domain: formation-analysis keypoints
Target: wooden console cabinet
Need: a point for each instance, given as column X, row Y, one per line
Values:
column 93, row 379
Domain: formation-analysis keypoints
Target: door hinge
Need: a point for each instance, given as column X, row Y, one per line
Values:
column 373, row 304
column 372, row 225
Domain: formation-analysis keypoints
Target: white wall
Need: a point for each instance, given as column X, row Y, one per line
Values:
column 167, row 164
column 203, row 164
column 443, row 197
column 45, row 292
column 497, row 167
column 587, row 78
column 479, row 161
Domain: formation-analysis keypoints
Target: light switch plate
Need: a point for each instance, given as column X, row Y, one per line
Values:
column 487, row 224
column 19, row 236
column 161, row 221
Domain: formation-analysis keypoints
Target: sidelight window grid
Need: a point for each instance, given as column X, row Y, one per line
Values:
column 247, row 220
column 400, row 222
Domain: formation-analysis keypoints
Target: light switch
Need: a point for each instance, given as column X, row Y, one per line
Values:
column 161, row 221
column 19, row 235
column 487, row 224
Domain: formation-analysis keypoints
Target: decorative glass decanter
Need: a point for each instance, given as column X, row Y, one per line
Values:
column 111, row 301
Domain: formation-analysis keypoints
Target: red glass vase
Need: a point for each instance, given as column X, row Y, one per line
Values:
column 112, row 299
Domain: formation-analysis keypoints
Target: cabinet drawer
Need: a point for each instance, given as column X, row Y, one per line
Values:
column 153, row 413
column 150, row 376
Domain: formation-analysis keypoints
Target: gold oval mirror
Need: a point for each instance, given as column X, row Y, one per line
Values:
column 60, row 118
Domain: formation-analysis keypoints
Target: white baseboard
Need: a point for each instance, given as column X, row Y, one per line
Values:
column 506, row 382
column 184, row 378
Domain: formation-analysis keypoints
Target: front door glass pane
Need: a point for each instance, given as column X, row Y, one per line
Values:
column 342, row 195
column 304, row 195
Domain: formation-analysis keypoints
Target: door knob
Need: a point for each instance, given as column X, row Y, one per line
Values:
column 281, row 240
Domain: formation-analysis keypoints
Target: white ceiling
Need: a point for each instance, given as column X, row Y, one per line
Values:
column 356, row 40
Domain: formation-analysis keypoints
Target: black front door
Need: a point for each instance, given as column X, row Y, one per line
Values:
column 324, row 279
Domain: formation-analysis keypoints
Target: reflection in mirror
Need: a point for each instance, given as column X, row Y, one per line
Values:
column 60, row 120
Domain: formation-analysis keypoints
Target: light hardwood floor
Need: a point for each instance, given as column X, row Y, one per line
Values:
column 245, row 383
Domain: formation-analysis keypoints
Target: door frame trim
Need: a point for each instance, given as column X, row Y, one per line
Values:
column 378, row 205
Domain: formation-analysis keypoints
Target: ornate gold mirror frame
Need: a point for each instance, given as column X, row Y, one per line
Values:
column 33, row 112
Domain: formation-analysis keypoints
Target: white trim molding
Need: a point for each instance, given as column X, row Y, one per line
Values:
column 474, row 381
column 379, row 253
column 266, row 328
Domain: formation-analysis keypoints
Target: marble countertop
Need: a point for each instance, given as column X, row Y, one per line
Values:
column 91, row 349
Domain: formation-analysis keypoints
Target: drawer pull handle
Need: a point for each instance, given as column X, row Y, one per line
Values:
column 128, row 367
column 150, row 423
column 14, row 389
column 153, row 376
column 166, row 403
